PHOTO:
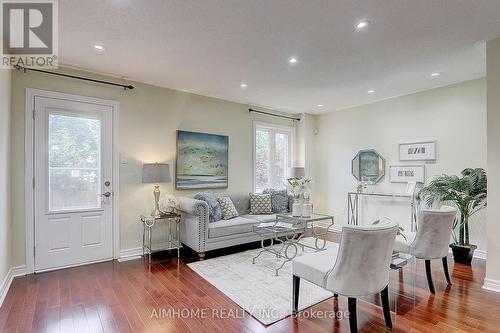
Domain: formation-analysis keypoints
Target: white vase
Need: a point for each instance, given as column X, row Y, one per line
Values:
column 307, row 210
column 296, row 209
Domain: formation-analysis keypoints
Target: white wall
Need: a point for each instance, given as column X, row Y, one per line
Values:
column 5, row 232
column 149, row 119
column 492, row 280
column 455, row 116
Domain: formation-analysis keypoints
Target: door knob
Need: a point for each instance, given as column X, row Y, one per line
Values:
column 107, row 194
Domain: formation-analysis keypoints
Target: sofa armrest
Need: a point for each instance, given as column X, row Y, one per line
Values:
column 194, row 223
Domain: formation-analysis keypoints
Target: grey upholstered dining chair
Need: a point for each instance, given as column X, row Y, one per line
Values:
column 431, row 241
column 358, row 266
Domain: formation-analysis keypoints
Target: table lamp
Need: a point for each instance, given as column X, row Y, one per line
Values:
column 297, row 172
column 156, row 173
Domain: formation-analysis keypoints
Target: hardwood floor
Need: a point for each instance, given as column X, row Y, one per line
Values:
column 128, row 297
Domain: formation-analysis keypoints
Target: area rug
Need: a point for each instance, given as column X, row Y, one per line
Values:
column 255, row 287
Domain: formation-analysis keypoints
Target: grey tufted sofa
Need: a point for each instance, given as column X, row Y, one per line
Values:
column 201, row 235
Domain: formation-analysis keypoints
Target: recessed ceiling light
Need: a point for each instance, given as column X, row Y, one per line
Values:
column 243, row 85
column 98, row 47
column 435, row 74
column 371, row 91
column 292, row 60
column 320, row 105
column 361, row 25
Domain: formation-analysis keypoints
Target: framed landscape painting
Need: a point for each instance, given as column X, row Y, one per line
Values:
column 202, row 161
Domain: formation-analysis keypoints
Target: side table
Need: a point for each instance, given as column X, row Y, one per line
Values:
column 148, row 223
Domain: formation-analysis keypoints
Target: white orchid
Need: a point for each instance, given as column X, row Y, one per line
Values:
column 298, row 185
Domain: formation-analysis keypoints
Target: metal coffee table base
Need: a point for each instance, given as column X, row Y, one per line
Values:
column 286, row 247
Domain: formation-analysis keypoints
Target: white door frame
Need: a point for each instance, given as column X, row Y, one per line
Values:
column 29, row 168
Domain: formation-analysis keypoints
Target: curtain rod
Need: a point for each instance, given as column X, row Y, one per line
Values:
column 273, row 115
column 24, row 69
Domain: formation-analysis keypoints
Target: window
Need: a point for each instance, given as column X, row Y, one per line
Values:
column 74, row 162
column 273, row 150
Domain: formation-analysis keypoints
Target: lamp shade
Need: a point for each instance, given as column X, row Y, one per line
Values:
column 297, row 172
column 156, row 173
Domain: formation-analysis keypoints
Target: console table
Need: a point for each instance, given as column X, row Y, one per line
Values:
column 353, row 203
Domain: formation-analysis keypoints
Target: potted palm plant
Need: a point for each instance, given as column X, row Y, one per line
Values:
column 468, row 194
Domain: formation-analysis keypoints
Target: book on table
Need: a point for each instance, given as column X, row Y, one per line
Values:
column 283, row 225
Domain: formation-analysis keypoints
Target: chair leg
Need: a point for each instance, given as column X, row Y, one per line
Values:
column 429, row 276
column 384, row 294
column 446, row 272
column 353, row 320
column 336, row 296
column 295, row 301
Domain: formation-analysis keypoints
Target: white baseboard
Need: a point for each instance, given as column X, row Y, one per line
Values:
column 136, row 252
column 130, row 254
column 11, row 274
column 492, row 285
column 480, row 254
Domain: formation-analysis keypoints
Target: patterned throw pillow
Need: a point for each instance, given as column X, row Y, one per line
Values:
column 279, row 200
column 260, row 203
column 228, row 209
column 214, row 211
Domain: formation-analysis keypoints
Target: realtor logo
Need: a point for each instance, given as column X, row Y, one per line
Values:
column 29, row 34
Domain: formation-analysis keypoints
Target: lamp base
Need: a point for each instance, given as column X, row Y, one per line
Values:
column 157, row 213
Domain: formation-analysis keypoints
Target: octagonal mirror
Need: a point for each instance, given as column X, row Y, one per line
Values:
column 368, row 166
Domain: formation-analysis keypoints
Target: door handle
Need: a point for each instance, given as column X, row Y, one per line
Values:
column 107, row 194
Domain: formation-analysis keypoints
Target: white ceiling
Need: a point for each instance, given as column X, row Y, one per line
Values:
column 210, row 46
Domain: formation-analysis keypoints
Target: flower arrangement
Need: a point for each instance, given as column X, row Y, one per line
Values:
column 298, row 185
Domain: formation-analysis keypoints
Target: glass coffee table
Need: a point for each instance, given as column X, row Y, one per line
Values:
column 400, row 259
column 285, row 235
column 402, row 279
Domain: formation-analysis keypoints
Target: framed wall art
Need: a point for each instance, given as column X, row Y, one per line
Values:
column 407, row 173
column 202, row 161
column 418, row 151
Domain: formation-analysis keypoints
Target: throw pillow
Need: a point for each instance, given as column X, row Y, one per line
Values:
column 228, row 209
column 260, row 204
column 214, row 210
column 279, row 199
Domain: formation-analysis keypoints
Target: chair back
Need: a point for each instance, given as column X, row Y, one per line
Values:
column 363, row 261
column 434, row 232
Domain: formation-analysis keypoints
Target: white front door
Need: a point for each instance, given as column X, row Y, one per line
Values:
column 72, row 180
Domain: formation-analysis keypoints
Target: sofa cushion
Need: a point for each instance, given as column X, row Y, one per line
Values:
column 214, row 210
column 241, row 202
column 314, row 267
column 227, row 207
column 260, row 203
column 279, row 199
column 261, row 218
column 237, row 225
